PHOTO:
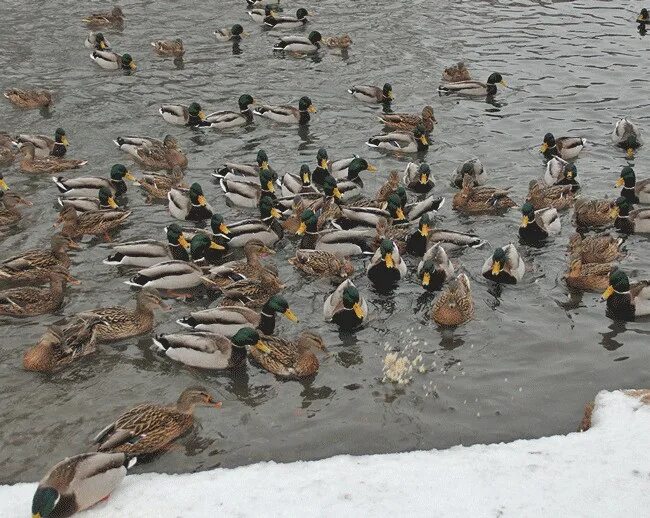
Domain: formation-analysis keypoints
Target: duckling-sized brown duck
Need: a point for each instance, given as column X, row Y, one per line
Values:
column 45, row 165
column 251, row 268
column 172, row 48
column 319, row 263
column 9, row 214
column 157, row 186
column 289, row 359
column 113, row 18
column 29, row 98
column 454, row 306
column 59, row 347
column 150, row 428
column 252, row 293
column 481, row 200
column 559, row 197
column 456, row 73
column 94, row 222
column 595, row 249
column 409, row 121
column 588, row 276
column 29, row 301
column 593, row 213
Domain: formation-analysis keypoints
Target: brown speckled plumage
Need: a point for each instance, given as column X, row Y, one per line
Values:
column 481, row 200
column 593, row 213
column 559, row 197
column 289, row 359
column 455, row 305
column 595, row 249
column 588, row 276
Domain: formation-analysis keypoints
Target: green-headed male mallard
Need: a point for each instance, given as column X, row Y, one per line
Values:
column 110, row 60
column 170, row 276
column 472, row 168
column 182, row 115
column 29, row 98
column 89, row 185
column 97, row 41
column 206, row 249
column 288, row 114
column 435, row 268
column 504, row 266
column 417, row 241
column 386, row 267
column 537, row 225
column 628, row 220
column 340, row 242
column 287, row 22
column 373, row 94
column 45, row 146
column 189, row 205
column 293, row 184
column 299, row 44
column 415, row 142
column 104, row 200
column 346, row 307
column 567, row 148
column 234, row 33
column 260, row 12
column 455, row 305
column 352, row 170
column 626, row 136
column 474, row 88
column 626, row 301
column 291, row 359
column 633, row 190
column 149, row 252
column 242, row 193
column 230, row 119
column 248, row 171
column 418, row 178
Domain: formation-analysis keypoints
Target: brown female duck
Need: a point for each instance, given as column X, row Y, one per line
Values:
column 409, row 121
column 319, row 263
column 595, row 249
column 172, row 48
column 94, row 222
column 455, row 305
column 45, row 165
column 161, row 156
column 481, row 200
column 9, row 214
column 456, row 73
column 588, row 276
column 288, row 359
column 252, row 293
column 29, row 98
column 593, row 213
column 113, row 18
column 251, row 268
column 559, row 197
column 157, row 186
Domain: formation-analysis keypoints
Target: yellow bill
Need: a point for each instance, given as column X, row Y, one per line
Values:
column 201, row 115
column 337, row 194
column 275, row 213
column 269, row 186
column 223, row 228
column 3, row 185
column 132, row 65
column 608, row 292
column 424, row 140
column 216, row 246
column 201, row 199
column 630, row 152
column 620, row 182
column 290, row 315
column 389, row 260
column 111, row 203
column 496, row 268
column 543, row 147
column 524, row 221
column 614, row 212
column 424, row 179
column 183, row 242
column 503, row 82
column 372, row 168
column 424, row 231
column 302, row 228
column 262, row 347
column 64, row 141
column 426, row 279
column 129, row 176
column 305, row 178
column 358, row 310
column 400, row 214
column 311, row 109
column 264, row 165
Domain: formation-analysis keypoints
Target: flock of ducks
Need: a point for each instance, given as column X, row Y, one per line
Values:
column 324, row 207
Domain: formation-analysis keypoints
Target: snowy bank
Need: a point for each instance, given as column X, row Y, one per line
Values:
column 602, row 472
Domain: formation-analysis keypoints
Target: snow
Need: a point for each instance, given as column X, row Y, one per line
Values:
column 603, row 472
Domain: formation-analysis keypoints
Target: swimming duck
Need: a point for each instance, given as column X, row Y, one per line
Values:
column 241, row 193
column 566, row 148
column 418, row 178
column 411, row 211
column 338, row 42
column 455, row 305
column 386, row 267
column 435, row 268
column 119, row 322
column 407, row 122
column 293, row 184
column 7, row 150
column 253, row 293
column 626, row 136
column 346, row 307
column 251, row 172
column 417, row 142
column 207, row 350
column 90, row 185
column 474, row 87
column 29, row 301
column 45, row 146
column 31, row 164
column 170, row 276
column 149, row 252
column 97, row 41
column 110, row 60
column 321, row 171
column 287, row 22
column 595, row 249
column 388, row 187
column 416, row 242
column 481, row 200
column 288, row 114
column 373, row 94
column 79, row 482
column 352, row 170
column 644, row 16
column 559, row 197
column 561, row 172
column 94, row 222
column 32, row 266
column 626, row 301
column 233, row 34
column 228, row 320
column 9, row 213
column 318, row 263
column 299, row 44
column 174, row 48
column 340, row 242
column 398, row 234
column 157, row 186
column 113, row 18
column 267, row 229
column 230, row 119
column 152, row 153
column 593, row 213
column 537, row 225
column 182, row 115
column 104, row 200
column 504, row 266
column 29, row 98
column 472, row 168
column 343, row 191
column 260, row 14
column 290, row 359
column 456, row 73
column 453, row 240
column 630, row 221
column 632, row 190
column 149, row 428
column 236, row 270
column 588, row 276
column 59, row 347
column 189, row 205
column 205, row 249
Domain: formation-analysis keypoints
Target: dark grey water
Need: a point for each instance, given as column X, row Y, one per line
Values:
column 523, row 368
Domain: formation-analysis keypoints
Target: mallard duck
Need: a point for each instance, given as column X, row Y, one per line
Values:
column 253, row 293
column 352, row 170
column 537, row 225
column 79, row 482
column 472, row 168
column 630, row 221
column 259, row 14
column 112, row 18
column 59, row 347
column 206, row 249
column 456, row 73
column 643, row 17
column 287, row 22
column 435, row 268
column 403, row 212
column 299, row 44
column 567, row 148
column 340, row 242
column 453, row 240
column 119, row 322
column 112, row 60
column 593, row 213
column 455, row 305
column 560, row 172
column 228, row 320
column 595, row 249
column 94, row 222
column 104, row 200
column 230, row 119
column 182, row 115
column 150, row 252
column 318, row 263
column 416, row 242
column 409, row 121
column 288, row 114
column 189, row 205
column 157, row 186
column 9, row 213
column 559, row 197
column 588, row 276
column 474, row 87
column 373, row 94
column 90, row 185
column 150, row 428
column 343, row 191
column 481, row 200
column 388, row 188
column 386, row 267
column 233, row 34
column 169, row 275
column 246, row 171
column 29, row 98
column 338, row 42
column 321, row 171
column 266, row 229
column 153, row 153
column 174, row 48
column 345, row 306
column 46, row 165
column 45, row 146
column 398, row 234
column 293, row 184
column 632, row 190
column 7, row 150
column 236, row 270
column 504, row 266
column 291, row 359
column 418, row 178
column 96, row 40
column 626, row 136
column 241, row 193
column 416, row 142
column 626, row 301
column 32, row 266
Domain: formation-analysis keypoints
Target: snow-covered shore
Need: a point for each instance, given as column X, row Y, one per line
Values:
column 602, row 472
